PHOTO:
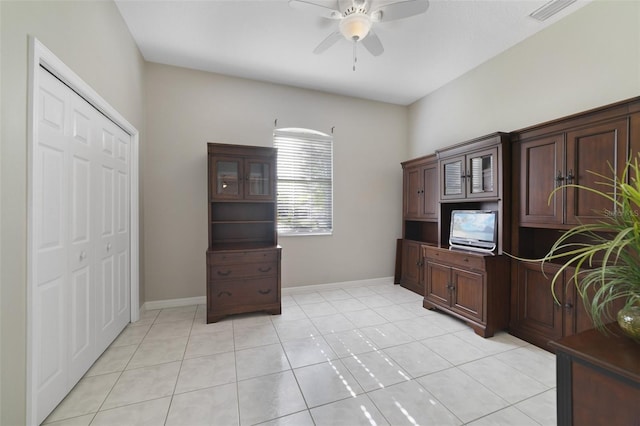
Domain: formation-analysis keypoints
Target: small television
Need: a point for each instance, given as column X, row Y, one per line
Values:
column 473, row 229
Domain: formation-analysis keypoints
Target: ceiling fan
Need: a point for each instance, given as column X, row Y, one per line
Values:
column 356, row 18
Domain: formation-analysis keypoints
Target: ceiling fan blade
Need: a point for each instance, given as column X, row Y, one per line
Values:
column 373, row 44
column 328, row 42
column 399, row 10
column 316, row 9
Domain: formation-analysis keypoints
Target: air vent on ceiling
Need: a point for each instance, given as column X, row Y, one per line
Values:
column 550, row 9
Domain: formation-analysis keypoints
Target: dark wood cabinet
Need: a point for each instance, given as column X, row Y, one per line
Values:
column 541, row 165
column 539, row 318
column 243, row 259
column 412, row 261
column 473, row 175
column 476, row 175
column 238, row 178
column 420, row 195
column 570, row 150
column 469, row 285
column 535, row 315
column 420, row 218
column 598, row 379
column 578, row 156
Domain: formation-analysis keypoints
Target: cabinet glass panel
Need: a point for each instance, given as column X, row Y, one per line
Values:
column 227, row 177
column 258, row 179
column 453, row 178
column 482, row 174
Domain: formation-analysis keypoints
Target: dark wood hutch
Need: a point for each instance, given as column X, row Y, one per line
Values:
column 470, row 285
column 243, row 258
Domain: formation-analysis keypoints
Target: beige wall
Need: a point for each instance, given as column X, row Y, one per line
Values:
column 92, row 39
column 588, row 59
column 186, row 109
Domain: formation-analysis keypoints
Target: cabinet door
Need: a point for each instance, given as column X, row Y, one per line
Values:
column 541, row 163
column 429, row 200
column 577, row 319
column 593, row 151
column 438, row 284
column 482, row 174
column 259, row 182
column 411, row 263
column 412, row 188
column 467, row 296
column 535, row 310
column 226, row 178
column 453, row 174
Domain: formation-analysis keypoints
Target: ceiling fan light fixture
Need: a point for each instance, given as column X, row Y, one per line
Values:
column 355, row 26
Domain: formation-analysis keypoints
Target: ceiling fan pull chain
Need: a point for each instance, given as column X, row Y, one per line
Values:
column 355, row 58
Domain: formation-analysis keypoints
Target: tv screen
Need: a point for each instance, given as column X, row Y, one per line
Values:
column 475, row 229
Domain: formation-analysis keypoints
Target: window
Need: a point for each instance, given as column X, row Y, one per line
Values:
column 305, row 182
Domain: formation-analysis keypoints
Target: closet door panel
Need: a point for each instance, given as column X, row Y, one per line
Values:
column 51, row 347
column 80, row 259
column 122, row 229
column 81, row 337
column 50, row 275
column 113, row 237
column 104, row 248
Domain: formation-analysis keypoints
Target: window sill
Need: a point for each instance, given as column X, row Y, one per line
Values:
column 304, row 234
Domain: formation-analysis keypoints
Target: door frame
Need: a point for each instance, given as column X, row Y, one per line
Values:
column 39, row 55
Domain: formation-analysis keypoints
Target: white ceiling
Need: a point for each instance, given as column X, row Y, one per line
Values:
column 270, row 41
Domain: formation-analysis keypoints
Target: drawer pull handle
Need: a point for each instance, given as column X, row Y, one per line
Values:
column 267, row 291
column 224, row 274
column 466, row 259
column 264, row 269
column 224, row 292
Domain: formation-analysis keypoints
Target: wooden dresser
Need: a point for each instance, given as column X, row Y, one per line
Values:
column 598, row 379
column 243, row 259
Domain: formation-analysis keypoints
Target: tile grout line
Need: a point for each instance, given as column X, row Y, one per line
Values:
column 184, row 352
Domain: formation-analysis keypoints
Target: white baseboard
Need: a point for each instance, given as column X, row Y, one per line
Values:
column 287, row 291
column 173, row 303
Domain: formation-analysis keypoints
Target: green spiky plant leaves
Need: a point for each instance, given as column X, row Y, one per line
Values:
column 605, row 255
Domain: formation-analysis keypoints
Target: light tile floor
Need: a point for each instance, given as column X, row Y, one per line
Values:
column 368, row 355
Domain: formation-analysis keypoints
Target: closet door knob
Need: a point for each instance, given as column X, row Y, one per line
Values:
column 82, row 255
column 108, row 247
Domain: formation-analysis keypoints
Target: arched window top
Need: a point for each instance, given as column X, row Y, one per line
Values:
column 302, row 133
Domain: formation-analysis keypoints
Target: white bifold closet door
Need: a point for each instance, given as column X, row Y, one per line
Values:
column 82, row 238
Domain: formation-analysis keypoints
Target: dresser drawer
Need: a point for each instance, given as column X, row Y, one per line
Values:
column 250, row 256
column 260, row 291
column 234, row 271
column 455, row 258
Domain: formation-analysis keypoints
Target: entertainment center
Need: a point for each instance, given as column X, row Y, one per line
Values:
column 469, row 281
column 512, row 174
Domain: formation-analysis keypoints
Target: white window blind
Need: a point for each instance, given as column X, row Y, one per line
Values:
column 305, row 182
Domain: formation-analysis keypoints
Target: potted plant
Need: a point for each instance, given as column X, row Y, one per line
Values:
column 606, row 255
